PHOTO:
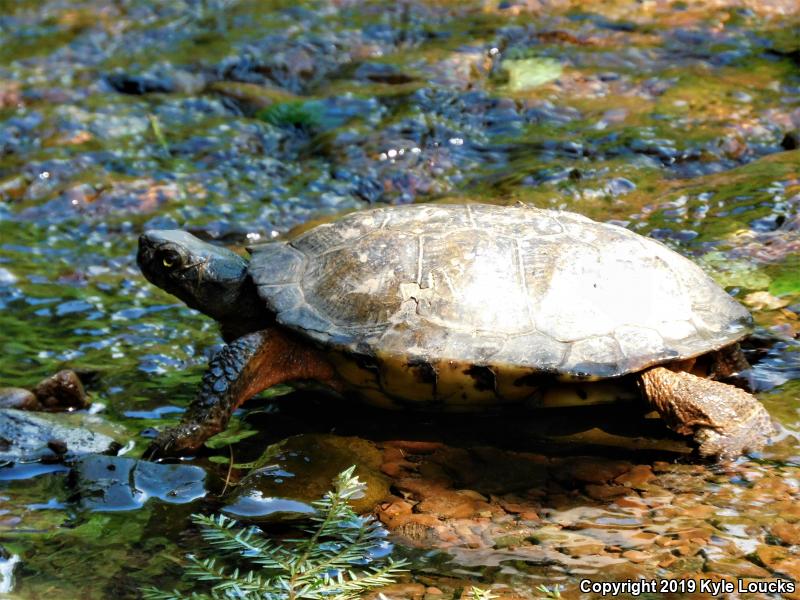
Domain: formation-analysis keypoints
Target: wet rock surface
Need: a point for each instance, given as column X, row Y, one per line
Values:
column 513, row 519
column 289, row 475
column 60, row 392
column 114, row 483
column 26, row 436
column 18, row 398
column 241, row 121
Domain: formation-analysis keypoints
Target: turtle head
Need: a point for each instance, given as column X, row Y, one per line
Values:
column 208, row 278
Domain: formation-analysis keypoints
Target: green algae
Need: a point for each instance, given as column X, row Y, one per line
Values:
column 527, row 73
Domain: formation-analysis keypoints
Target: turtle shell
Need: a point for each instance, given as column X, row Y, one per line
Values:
column 501, row 287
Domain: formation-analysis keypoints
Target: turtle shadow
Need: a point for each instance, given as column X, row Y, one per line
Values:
column 616, row 430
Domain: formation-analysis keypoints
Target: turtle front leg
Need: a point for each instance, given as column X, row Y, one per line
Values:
column 240, row 370
column 724, row 420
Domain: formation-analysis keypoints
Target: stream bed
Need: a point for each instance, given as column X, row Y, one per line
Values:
column 243, row 120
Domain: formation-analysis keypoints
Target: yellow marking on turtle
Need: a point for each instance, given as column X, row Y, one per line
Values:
column 452, row 386
column 354, row 374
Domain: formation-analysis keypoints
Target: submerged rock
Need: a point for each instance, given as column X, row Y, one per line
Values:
column 112, row 483
column 251, row 97
column 163, row 79
column 274, row 490
column 62, row 391
column 26, row 436
column 19, row 398
column 382, row 73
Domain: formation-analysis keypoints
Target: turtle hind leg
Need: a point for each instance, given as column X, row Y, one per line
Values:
column 724, row 420
column 243, row 368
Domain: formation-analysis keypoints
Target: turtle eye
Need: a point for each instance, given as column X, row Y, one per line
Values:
column 170, row 259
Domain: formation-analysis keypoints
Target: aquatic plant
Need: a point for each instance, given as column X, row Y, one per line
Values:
column 340, row 556
column 298, row 113
column 476, row 593
column 547, row 593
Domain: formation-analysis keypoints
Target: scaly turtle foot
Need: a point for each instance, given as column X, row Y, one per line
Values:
column 724, row 420
column 243, row 368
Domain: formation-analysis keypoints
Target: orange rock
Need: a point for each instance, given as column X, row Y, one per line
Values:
column 665, row 541
column 779, row 560
column 595, row 470
column 788, row 533
column 397, row 469
column 435, row 498
column 393, row 453
column 415, row 447
column 644, row 538
column 434, row 591
column 683, row 550
column 419, row 529
column 699, row 541
column 463, row 529
column 604, row 491
column 419, row 487
column 636, row 556
column 589, row 549
column 498, row 593
column 772, row 487
column 514, row 505
column 398, row 591
column 667, row 561
column 452, row 505
column 701, row 511
column 394, row 513
column 789, row 510
column 739, row 568
column 661, row 466
column 637, row 477
column 696, row 533
column 426, row 520
column 473, row 494
column 631, row 502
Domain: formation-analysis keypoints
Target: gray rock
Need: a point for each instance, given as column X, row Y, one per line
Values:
column 26, row 436
column 12, row 397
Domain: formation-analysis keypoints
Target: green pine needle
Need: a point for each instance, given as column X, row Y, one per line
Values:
column 336, row 559
column 477, row 593
column 547, row 593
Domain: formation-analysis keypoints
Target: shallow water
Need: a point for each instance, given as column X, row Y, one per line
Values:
column 240, row 120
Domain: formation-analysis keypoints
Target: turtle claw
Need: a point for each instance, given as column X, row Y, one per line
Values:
column 176, row 441
column 736, row 439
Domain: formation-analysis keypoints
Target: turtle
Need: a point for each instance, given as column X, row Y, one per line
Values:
column 464, row 307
